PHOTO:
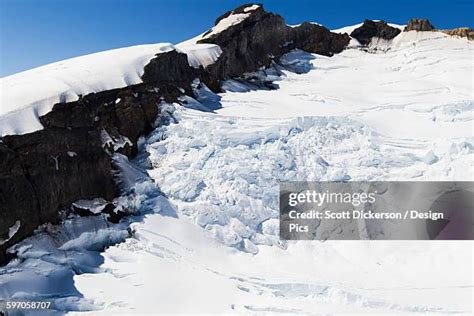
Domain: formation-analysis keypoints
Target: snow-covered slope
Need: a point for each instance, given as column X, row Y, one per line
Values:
column 358, row 116
column 422, row 87
column 27, row 95
column 208, row 240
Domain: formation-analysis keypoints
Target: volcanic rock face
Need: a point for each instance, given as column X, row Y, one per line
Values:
column 261, row 37
column 43, row 172
column 370, row 29
column 317, row 39
column 170, row 68
column 419, row 25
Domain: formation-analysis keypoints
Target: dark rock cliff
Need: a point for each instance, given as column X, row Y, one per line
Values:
column 370, row 29
column 263, row 37
column 42, row 173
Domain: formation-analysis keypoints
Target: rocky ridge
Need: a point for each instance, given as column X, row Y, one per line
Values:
column 424, row 25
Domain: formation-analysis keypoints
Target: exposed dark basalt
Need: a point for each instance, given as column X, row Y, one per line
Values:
column 317, row 39
column 422, row 25
column 43, row 172
column 370, row 29
column 171, row 68
column 128, row 112
column 263, row 37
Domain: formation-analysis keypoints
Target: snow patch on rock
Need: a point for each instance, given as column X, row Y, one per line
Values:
column 94, row 206
column 200, row 54
column 11, row 232
column 226, row 22
column 114, row 143
column 251, row 8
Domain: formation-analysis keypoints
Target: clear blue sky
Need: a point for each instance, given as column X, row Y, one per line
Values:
column 34, row 32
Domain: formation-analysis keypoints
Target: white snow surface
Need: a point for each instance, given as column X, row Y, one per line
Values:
column 252, row 8
column 225, row 23
column 422, row 88
column 95, row 206
column 27, row 95
column 200, row 54
column 206, row 235
column 11, row 232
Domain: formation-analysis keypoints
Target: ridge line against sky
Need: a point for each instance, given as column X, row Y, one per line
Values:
column 34, row 33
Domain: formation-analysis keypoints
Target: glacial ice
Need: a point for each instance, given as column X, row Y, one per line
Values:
column 221, row 170
column 204, row 235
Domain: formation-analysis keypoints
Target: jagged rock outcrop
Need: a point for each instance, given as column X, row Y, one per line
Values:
column 42, row 173
column 171, row 68
column 421, row 25
column 317, row 39
column 370, row 29
column 461, row 32
column 261, row 37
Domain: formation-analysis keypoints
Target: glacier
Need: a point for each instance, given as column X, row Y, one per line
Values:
column 220, row 252
column 205, row 187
